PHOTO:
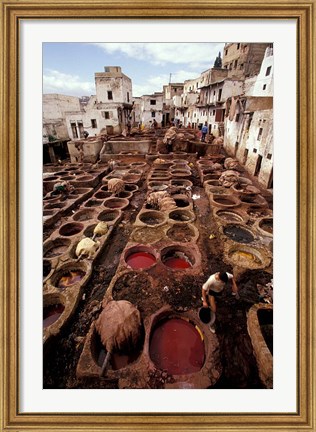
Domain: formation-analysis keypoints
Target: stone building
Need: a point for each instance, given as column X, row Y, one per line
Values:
column 54, row 120
column 170, row 91
column 249, row 123
column 152, row 109
column 243, row 60
column 108, row 111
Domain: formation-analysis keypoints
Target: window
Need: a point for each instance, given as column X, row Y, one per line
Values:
column 226, row 52
column 93, row 123
column 74, row 130
column 264, row 87
column 214, row 92
column 259, row 134
column 106, row 69
column 235, row 64
column 241, row 66
column 254, row 150
column 213, row 112
column 152, row 101
column 106, row 114
column 127, row 96
column 153, row 114
column 268, row 70
column 269, row 156
column 237, row 117
column 238, row 46
column 110, row 95
column 219, row 94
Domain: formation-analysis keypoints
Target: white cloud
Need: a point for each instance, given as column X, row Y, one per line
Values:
column 156, row 83
column 196, row 55
column 59, row 82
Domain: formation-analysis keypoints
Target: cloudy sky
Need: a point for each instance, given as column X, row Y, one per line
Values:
column 68, row 68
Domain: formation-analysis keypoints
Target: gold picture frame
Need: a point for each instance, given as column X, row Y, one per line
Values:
column 12, row 12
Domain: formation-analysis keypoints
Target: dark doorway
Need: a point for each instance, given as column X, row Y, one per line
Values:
column 258, row 166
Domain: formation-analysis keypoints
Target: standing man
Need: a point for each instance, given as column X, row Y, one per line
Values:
column 204, row 131
column 214, row 287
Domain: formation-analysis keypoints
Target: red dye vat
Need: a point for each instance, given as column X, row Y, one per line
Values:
column 51, row 314
column 140, row 260
column 176, row 346
column 177, row 263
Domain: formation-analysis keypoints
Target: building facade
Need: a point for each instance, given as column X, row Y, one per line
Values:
column 243, row 60
column 54, row 119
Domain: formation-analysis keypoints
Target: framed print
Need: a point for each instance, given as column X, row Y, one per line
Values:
column 59, row 377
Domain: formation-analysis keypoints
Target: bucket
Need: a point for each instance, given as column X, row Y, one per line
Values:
column 207, row 316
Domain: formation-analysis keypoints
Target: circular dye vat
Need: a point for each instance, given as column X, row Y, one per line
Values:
column 93, row 203
column 109, row 215
column 116, row 203
column 181, row 216
column 238, row 233
column 131, row 187
column 176, row 259
column 152, row 218
column 102, row 195
column 245, row 258
column 181, row 202
column 223, row 200
column 69, row 278
column 117, row 360
column 54, row 206
column 229, row 216
column 56, row 248
column 84, row 215
column 181, row 233
column 177, row 347
column 71, row 229
column 46, row 268
column 266, row 225
column 51, row 314
column 140, row 260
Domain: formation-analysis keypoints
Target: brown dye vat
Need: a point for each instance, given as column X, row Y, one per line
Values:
column 125, row 194
column 56, row 248
column 70, row 278
column 84, row 215
column 266, row 225
column 93, row 203
column 48, row 213
column 224, row 200
column 51, row 314
column 117, row 360
column 181, row 233
column 131, row 178
column 71, row 229
column 54, row 206
column 157, row 186
column 82, row 191
column 72, row 177
column 229, row 216
column 238, row 234
column 102, row 195
column 60, row 173
column 47, row 267
column 181, row 216
column 52, row 178
column 84, row 178
column 152, row 218
column 131, row 188
column 177, row 347
column 116, row 203
column 257, row 212
column 108, row 215
column 265, row 318
column 181, row 202
column 104, row 188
